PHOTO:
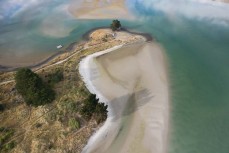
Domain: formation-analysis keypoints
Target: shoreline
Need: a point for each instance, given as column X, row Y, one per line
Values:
column 70, row 49
column 100, row 141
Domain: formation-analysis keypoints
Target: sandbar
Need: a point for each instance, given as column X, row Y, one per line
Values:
column 132, row 80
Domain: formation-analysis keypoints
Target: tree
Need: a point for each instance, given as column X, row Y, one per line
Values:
column 89, row 106
column 100, row 112
column 32, row 88
column 92, row 107
column 115, row 25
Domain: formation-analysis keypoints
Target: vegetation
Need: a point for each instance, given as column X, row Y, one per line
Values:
column 55, row 77
column 116, row 25
column 5, row 135
column 9, row 146
column 100, row 112
column 1, row 108
column 73, row 123
column 2, row 129
column 91, row 106
column 72, row 107
column 34, row 91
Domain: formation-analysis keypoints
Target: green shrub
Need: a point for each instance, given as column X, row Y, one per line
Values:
column 38, row 125
column 68, row 106
column 1, row 108
column 73, row 123
column 9, row 146
column 2, row 129
column 6, row 134
column 72, row 107
column 55, row 77
column 100, row 112
column 34, row 91
column 89, row 106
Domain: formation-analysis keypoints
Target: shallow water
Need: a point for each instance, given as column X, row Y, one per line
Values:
column 196, row 44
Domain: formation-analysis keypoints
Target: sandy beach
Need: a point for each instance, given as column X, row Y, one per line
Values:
column 132, row 80
column 100, row 9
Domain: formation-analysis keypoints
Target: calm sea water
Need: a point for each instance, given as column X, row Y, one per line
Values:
column 199, row 60
column 197, row 47
column 198, row 54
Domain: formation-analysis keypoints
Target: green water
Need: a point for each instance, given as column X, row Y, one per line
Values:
column 199, row 61
column 198, row 54
column 198, row 57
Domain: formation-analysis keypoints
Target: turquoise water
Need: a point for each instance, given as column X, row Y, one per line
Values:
column 197, row 46
column 199, row 59
column 200, row 85
column 198, row 53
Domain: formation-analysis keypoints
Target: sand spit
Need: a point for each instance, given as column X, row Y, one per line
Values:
column 132, row 80
column 99, row 9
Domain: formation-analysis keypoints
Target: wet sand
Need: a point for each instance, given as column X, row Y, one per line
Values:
column 132, row 80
